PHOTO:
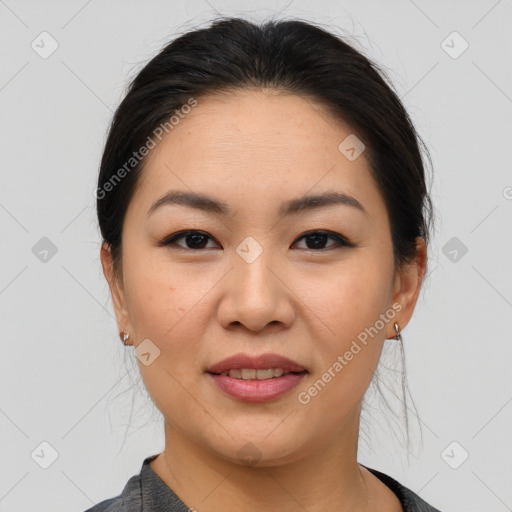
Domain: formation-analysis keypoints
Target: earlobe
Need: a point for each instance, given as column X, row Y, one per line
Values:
column 408, row 283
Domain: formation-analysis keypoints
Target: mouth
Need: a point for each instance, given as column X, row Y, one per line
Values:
column 261, row 378
column 246, row 388
column 265, row 365
column 256, row 374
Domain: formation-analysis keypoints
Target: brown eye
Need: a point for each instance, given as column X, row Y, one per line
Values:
column 194, row 240
column 197, row 240
column 316, row 240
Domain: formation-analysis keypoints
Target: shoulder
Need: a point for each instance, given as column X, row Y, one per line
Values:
column 144, row 492
column 130, row 499
column 409, row 500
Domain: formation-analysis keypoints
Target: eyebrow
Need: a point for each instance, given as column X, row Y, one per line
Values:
column 301, row 204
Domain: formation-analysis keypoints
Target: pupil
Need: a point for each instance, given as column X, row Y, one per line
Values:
column 317, row 238
column 196, row 239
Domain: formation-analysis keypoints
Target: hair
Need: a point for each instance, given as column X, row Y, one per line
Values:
column 290, row 56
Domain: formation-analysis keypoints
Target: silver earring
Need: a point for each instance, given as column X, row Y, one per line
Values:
column 124, row 337
column 398, row 336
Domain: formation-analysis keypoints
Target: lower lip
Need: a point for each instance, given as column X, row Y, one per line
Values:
column 254, row 390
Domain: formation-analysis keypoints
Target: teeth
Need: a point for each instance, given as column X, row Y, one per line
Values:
column 248, row 374
column 251, row 374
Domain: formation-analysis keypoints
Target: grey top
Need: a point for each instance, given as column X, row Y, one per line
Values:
column 147, row 492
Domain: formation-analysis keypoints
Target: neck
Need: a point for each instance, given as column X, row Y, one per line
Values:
column 328, row 478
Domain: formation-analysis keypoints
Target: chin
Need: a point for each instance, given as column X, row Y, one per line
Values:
column 260, row 451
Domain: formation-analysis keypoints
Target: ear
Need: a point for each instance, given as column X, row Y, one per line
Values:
column 407, row 287
column 116, row 290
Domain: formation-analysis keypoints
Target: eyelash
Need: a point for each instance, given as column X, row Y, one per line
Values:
column 171, row 240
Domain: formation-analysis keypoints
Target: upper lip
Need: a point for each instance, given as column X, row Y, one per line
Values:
column 260, row 362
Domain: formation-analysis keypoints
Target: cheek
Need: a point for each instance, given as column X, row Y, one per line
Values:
column 355, row 293
column 168, row 304
column 161, row 297
column 345, row 307
column 347, row 304
column 166, row 307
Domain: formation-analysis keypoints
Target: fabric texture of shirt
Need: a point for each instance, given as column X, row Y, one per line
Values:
column 147, row 492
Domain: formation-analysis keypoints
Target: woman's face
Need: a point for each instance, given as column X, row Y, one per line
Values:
column 250, row 282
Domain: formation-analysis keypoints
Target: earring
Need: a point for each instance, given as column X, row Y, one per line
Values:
column 124, row 337
column 398, row 336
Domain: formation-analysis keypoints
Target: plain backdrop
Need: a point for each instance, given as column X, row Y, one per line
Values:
column 70, row 398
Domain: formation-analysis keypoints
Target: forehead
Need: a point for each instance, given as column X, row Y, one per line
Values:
column 256, row 147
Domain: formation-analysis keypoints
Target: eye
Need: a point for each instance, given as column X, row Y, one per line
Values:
column 318, row 238
column 196, row 239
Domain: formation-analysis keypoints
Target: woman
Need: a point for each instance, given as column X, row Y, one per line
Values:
column 265, row 221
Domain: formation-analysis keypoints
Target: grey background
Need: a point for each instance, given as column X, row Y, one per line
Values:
column 66, row 379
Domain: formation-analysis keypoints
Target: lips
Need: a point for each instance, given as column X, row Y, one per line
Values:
column 260, row 362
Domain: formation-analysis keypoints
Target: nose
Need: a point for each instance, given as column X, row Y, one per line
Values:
column 256, row 295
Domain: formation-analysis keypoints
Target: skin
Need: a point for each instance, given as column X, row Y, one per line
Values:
column 254, row 149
